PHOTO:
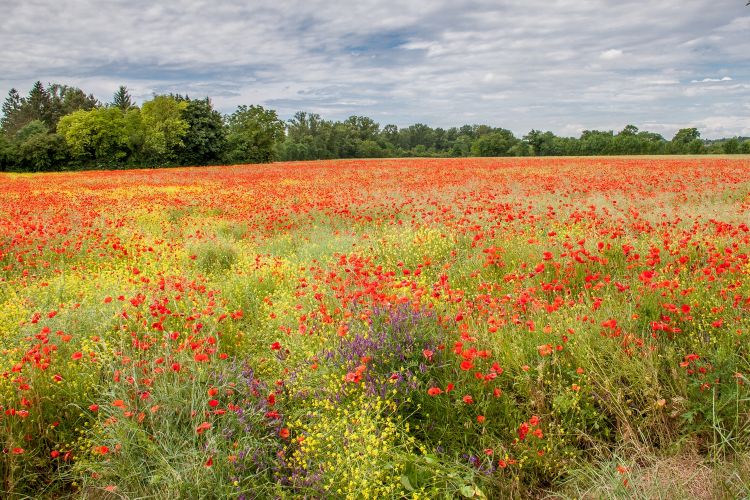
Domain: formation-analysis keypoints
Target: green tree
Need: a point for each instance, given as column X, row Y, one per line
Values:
column 343, row 140
column 122, row 100
column 205, row 139
column 308, row 138
column 98, row 135
column 35, row 127
column 363, row 128
column 627, row 141
column 11, row 121
column 252, row 135
column 64, row 100
column 461, row 147
column 651, row 142
column 598, row 142
column 541, row 143
column 38, row 105
column 41, row 151
column 293, row 151
column 8, row 158
column 389, row 135
column 164, row 129
column 686, row 135
column 47, row 105
column 135, row 133
column 497, row 143
column 415, row 135
column 731, row 146
column 304, row 126
column 369, row 149
column 520, row 148
column 686, row 140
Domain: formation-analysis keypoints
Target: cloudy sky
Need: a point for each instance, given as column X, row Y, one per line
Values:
column 560, row 65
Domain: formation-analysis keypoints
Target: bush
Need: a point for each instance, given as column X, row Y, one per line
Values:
column 214, row 255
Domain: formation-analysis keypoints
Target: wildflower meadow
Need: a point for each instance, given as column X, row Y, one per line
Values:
column 414, row 328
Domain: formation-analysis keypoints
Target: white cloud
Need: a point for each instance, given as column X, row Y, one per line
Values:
column 609, row 55
column 722, row 126
column 432, row 61
column 707, row 80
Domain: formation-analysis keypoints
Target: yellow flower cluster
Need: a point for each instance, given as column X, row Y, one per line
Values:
column 351, row 445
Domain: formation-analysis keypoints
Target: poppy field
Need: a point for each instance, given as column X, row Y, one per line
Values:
column 413, row 328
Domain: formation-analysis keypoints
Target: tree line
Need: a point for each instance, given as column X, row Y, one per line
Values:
column 60, row 127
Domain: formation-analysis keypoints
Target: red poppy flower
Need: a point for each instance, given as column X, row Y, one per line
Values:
column 523, row 430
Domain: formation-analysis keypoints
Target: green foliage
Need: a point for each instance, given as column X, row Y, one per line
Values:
column 593, row 141
column 11, row 121
column 731, row 146
column 35, row 149
column 7, row 154
column 45, row 104
column 307, row 138
column 99, row 135
column 541, row 143
column 417, row 134
column 686, row 135
column 363, row 128
column 33, row 128
column 461, row 147
column 65, row 100
column 42, row 152
column 135, row 134
column 497, row 143
column 214, row 256
column 370, row 149
column 38, row 105
column 171, row 457
column 164, row 128
column 205, row 140
column 252, row 135
column 122, row 100
column 177, row 130
column 687, row 141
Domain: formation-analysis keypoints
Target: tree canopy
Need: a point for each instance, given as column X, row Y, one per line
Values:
column 56, row 126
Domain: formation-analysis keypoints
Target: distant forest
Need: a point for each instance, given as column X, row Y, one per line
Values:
column 60, row 127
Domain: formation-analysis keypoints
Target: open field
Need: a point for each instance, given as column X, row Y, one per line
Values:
column 560, row 327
